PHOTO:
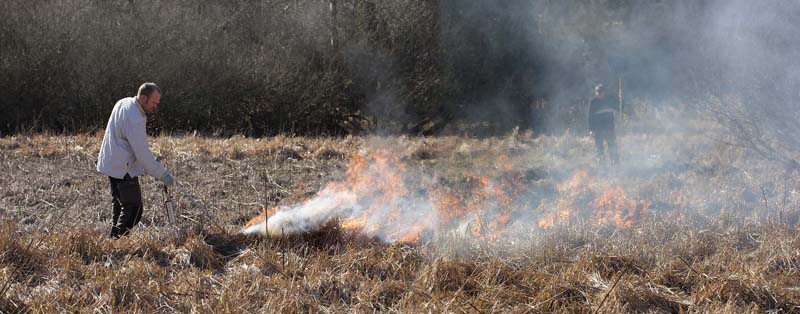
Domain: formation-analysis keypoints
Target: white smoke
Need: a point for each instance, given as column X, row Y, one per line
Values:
column 372, row 199
column 327, row 205
column 387, row 221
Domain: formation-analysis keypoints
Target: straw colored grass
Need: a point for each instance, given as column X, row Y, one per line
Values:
column 706, row 247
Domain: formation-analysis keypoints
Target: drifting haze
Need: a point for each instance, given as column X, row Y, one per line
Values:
column 505, row 55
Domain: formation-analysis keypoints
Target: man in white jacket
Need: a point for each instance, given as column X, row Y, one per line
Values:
column 125, row 155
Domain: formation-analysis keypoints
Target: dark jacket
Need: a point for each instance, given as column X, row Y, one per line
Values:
column 601, row 113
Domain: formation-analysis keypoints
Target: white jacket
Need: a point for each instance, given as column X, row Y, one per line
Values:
column 125, row 148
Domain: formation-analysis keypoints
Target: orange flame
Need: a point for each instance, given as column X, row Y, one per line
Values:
column 613, row 206
column 261, row 217
column 378, row 181
column 489, row 203
column 583, row 196
column 377, row 185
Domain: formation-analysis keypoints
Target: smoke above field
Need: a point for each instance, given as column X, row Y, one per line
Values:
column 509, row 56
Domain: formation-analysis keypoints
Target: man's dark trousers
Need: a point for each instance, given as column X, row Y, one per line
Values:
column 127, row 203
column 602, row 125
column 609, row 136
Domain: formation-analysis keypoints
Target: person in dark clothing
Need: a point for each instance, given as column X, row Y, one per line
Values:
column 601, row 124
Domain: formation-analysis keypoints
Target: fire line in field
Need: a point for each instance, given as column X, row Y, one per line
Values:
column 582, row 196
column 381, row 198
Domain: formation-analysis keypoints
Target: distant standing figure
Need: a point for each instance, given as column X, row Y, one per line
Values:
column 125, row 155
column 601, row 123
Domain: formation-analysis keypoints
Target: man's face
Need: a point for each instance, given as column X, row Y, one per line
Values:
column 149, row 104
column 598, row 92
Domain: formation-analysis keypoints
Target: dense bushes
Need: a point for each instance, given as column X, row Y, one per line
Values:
column 255, row 67
column 262, row 67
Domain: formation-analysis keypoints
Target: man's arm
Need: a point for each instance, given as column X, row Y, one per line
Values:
column 137, row 138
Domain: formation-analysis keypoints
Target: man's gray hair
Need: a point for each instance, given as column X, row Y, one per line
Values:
column 148, row 88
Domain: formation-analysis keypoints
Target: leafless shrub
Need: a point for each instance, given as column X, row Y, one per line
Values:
column 764, row 129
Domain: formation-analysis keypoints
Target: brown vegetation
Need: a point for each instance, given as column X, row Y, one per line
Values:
column 720, row 236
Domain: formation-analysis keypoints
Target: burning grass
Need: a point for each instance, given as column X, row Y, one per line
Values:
column 675, row 231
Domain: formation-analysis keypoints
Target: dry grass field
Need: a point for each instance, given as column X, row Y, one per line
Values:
column 692, row 226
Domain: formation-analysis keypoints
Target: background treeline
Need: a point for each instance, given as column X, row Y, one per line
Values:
column 342, row 66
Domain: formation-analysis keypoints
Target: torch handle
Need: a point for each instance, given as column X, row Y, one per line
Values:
column 169, row 206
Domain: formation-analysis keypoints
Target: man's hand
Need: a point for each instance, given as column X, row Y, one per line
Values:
column 168, row 179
